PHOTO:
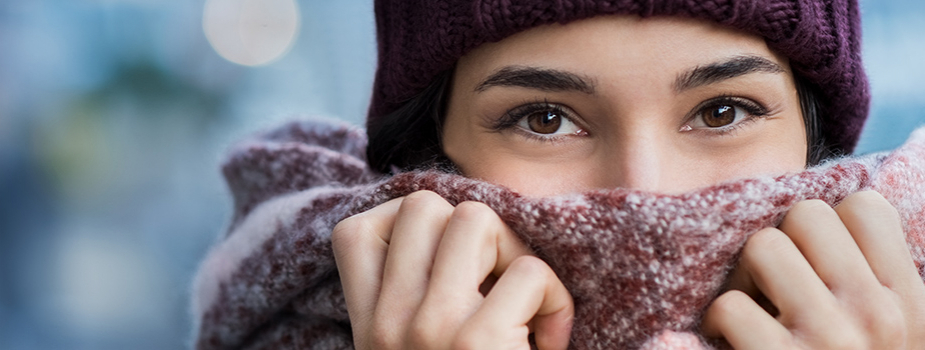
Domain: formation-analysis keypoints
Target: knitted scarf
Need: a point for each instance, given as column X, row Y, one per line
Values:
column 641, row 267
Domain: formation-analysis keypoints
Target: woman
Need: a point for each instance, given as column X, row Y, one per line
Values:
column 551, row 98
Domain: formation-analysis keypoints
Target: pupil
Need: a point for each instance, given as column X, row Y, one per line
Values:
column 720, row 116
column 545, row 123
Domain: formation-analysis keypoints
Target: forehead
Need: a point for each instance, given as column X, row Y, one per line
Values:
column 616, row 48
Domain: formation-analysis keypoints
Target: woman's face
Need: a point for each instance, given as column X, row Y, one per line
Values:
column 659, row 104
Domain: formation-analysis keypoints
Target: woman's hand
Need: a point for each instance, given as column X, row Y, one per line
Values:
column 412, row 270
column 838, row 279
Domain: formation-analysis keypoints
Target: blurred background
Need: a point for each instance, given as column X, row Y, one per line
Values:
column 114, row 115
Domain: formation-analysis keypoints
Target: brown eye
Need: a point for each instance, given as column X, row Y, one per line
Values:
column 719, row 116
column 544, row 122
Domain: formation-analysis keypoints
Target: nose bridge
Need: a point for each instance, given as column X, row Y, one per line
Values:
column 637, row 160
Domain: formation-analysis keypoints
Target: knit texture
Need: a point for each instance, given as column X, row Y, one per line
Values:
column 420, row 38
column 641, row 267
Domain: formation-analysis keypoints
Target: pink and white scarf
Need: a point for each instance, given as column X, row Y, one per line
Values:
column 641, row 267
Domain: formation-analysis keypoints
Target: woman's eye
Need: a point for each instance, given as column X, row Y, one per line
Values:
column 724, row 114
column 719, row 116
column 549, row 122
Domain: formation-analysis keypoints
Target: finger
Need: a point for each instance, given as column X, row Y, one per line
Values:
column 740, row 280
column 782, row 273
column 418, row 227
column 819, row 233
column 528, row 290
column 475, row 243
column 877, row 229
column 875, row 226
column 360, row 243
column 831, row 248
column 744, row 324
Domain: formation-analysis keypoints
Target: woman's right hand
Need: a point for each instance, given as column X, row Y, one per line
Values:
column 419, row 273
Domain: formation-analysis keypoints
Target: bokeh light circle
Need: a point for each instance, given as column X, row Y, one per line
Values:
column 251, row 32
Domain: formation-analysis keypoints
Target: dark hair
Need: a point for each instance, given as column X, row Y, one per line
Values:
column 410, row 137
column 817, row 149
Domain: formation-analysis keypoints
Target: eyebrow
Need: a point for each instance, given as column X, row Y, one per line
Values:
column 539, row 79
column 719, row 71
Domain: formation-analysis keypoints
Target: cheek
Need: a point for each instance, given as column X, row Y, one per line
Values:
column 777, row 150
column 763, row 162
column 529, row 170
column 536, row 178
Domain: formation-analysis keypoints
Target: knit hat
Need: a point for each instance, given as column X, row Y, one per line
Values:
column 418, row 39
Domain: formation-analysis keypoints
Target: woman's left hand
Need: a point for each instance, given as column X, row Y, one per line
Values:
column 839, row 278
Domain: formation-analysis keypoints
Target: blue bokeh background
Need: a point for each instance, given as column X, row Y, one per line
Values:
column 114, row 115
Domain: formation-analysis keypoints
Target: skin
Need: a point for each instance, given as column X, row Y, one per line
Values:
column 419, row 273
column 634, row 116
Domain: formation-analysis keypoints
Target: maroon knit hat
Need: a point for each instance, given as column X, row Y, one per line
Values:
column 420, row 38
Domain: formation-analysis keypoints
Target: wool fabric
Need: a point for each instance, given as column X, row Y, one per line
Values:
column 418, row 39
column 641, row 267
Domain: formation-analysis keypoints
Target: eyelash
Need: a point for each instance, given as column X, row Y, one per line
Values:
column 512, row 117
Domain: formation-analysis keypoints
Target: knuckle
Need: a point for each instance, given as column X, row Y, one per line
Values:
column 470, row 210
column 766, row 241
column 842, row 341
column 812, row 205
column 887, row 327
column 868, row 197
column 348, row 231
column 766, row 236
column 381, row 337
column 484, row 224
column 377, row 344
column 869, row 204
column 729, row 302
column 423, row 334
column 424, row 200
column 479, row 335
column 531, row 266
column 426, row 204
column 465, row 341
column 809, row 209
column 423, row 195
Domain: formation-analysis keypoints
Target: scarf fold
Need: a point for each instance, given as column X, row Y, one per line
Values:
column 641, row 267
